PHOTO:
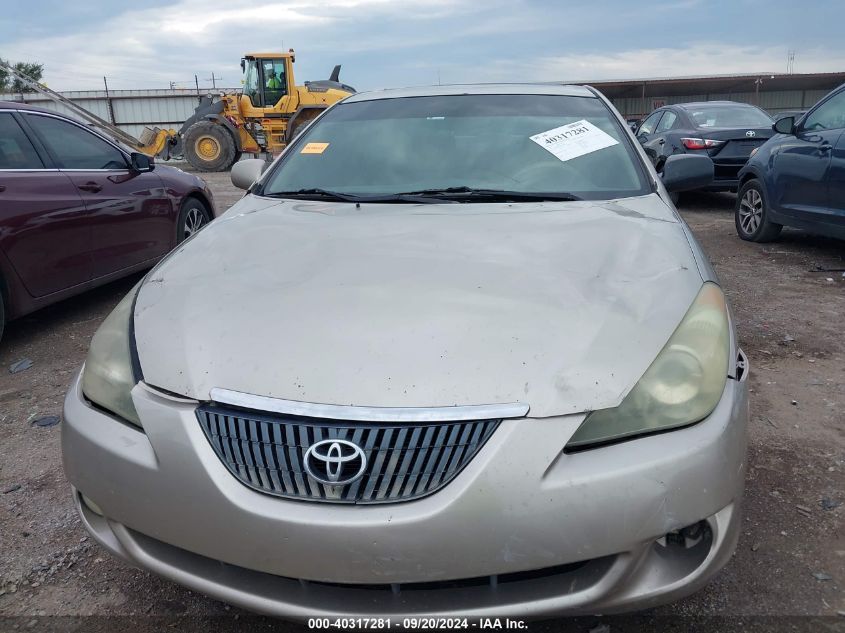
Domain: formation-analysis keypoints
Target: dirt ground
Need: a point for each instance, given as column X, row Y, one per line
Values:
column 788, row 298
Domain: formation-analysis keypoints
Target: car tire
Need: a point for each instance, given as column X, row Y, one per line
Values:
column 2, row 315
column 193, row 216
column 209, row 146
column 751, row 214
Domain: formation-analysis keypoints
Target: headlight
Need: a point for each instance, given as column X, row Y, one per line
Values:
column 682, row 386
column 108, row 377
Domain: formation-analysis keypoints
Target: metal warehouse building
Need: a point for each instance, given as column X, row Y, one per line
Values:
column 131, row 110
column 773, row 92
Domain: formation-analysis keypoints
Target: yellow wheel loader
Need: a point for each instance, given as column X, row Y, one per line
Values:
column 263, row 118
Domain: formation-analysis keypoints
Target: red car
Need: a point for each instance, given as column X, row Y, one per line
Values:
column 78, row 209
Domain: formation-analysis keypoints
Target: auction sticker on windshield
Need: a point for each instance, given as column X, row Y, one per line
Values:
column 314, row 148
column 574, row 139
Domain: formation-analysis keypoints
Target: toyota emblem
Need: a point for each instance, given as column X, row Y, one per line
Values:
column 335, row 462
column 751, row 133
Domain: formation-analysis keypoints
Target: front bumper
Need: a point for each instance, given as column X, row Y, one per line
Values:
column 523, row 530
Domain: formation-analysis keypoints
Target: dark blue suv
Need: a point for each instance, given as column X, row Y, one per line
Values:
column 797, row 178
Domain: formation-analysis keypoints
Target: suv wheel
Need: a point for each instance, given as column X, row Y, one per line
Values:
column 752, row 214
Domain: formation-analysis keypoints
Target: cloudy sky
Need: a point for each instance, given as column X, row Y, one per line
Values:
column 389, row 43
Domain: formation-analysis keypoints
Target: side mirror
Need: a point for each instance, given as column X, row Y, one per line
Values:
column 246, row 172
column 682, row 172
column 786, row 125
column 634, row 125
column 141, row 162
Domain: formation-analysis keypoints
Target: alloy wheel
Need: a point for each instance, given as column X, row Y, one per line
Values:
column 194, row 221
column 751, row 211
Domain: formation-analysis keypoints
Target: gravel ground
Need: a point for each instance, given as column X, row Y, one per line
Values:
column 790, row 562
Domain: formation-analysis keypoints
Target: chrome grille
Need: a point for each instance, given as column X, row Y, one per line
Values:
column 403, row 460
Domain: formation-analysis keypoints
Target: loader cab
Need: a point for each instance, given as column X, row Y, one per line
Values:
column 266, row 79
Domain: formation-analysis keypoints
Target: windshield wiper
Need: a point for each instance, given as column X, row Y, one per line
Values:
column 463, row 193
column 320, row 194
column 426, row 196
column 325, row 194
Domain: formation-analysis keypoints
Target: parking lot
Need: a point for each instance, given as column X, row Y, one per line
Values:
column 788, row 298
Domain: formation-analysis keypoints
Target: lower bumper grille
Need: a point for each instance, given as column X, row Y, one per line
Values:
column 371, row 463
column 284, row 596
column 726, row 172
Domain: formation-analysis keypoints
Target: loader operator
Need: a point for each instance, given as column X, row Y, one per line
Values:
column 273, row 82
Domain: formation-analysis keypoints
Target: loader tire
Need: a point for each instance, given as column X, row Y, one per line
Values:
column 209, row 147
column 295, row 129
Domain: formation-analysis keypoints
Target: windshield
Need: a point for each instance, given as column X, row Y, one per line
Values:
column 730, row 116
column 466, row 143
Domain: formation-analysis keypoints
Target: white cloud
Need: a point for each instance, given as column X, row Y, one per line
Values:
column 384, row 43
column 185, row 20
column 151, row 46
column 712, row 58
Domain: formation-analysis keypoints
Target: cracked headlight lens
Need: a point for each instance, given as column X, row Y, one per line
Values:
column 108, row 377
column 682, row 386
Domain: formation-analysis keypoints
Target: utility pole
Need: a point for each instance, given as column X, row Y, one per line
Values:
column 790, row 62
column 213, row 81
column 757, row 83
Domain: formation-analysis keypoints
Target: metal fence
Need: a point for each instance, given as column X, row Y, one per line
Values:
column 130, row 110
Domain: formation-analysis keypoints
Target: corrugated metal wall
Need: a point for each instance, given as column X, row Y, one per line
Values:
column 131, row 110
column 773, row 102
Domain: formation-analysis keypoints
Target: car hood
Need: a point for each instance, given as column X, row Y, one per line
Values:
column 560, row 305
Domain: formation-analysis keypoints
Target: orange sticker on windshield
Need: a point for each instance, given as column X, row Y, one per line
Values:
column 314, row 148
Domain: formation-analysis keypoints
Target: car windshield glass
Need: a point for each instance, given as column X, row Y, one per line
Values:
column 463, row 147
column 729, row 116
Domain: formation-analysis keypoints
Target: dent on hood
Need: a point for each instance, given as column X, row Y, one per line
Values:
column 562, row 311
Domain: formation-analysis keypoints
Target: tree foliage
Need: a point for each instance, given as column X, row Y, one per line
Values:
column 8, row 83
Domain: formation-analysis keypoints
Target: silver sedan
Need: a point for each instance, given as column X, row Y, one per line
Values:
column 455, row 352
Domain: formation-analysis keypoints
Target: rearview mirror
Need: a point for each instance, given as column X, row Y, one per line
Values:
column 786, row 125
column 246, row 172
column 141, row 162
column 683, row 172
